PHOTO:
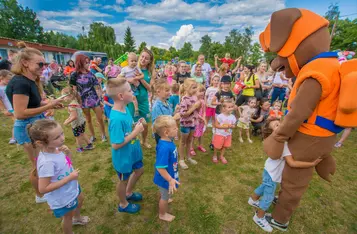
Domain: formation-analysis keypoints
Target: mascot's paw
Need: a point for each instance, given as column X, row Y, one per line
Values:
column 326, row 168
column 273, row 148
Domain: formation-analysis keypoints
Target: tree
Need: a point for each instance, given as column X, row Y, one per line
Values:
column 186, row 52
column 60, row 39
column 141, row 47
column 174, row 53
column 255, row 55
column 19, row 23
column 100, row 35
column 206, row 42
column 129, row 42
column 238, row 44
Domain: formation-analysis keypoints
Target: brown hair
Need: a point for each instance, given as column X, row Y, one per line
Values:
column 175, row 88
column 4, row 74
column 160, row 84
column 81, row 61
column 38, row 131
column 25, row 53
column 266, row 130
column 186, row 86
column 151, row 65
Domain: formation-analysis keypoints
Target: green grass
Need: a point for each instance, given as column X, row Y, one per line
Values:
column 211, row 199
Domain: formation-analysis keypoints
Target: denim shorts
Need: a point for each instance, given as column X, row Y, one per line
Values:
column 164, row 193
column 186, row 130
column 20, row 132
column 60, row 212
column 125, row 176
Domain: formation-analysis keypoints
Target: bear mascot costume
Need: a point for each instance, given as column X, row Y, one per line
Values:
column 322, row 101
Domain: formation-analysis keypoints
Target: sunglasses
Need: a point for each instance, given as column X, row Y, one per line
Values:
column 41, row 64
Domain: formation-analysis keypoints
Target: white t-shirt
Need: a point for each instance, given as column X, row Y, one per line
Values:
column 210, row 93
column 4, row 98
column 57, row 166
column 206, row 70
column 277, row 79
column 129, row 72
column 275, row 167
column 247, row 113
column 225, row 120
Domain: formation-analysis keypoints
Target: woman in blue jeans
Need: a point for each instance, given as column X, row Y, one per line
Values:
column 280, row 83
column 24, row 93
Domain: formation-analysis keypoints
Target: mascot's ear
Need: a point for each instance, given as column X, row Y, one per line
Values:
column 281, row 24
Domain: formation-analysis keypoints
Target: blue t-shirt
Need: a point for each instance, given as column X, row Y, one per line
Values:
column 174, row 100
column 160, row 108
column 166, row 157
column 120, row 126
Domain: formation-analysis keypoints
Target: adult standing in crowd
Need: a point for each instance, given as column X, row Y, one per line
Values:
column 251, row 83
column 147, row 65
column 24, row 93
column 206, row 69
column 87, row 87
column 280, row 83
column 69, row 68
column 182, row 73
column 46, row 79
column 112, row 70
column 95, row 65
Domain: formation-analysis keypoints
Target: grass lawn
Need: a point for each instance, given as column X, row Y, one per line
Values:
column 211, row 199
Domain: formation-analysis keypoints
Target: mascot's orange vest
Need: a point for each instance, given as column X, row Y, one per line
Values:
column 337, row 106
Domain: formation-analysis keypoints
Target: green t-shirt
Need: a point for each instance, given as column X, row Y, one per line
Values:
column 143, row 99
column 249, row 91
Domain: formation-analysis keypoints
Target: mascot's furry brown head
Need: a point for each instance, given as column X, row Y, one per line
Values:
column 296, row 35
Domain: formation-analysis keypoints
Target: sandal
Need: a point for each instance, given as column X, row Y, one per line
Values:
column 83, row 220
column 147, row 145
column 192, row 152
column 215, row 159
column 183, row 165
column 224, row 160
column 200, row 148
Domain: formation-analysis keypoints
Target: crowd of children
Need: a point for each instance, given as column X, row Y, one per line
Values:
column 182, row 103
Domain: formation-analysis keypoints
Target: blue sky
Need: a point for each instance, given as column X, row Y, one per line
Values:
column 168, row 23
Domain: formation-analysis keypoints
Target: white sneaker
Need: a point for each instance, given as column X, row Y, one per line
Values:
column 40, row 199
column 183, row 165
column 241, row 140
column 104, row 138
column 262, row 223
column 253, row 203
column 192, row 161
column 12, row 141
column 250, row 141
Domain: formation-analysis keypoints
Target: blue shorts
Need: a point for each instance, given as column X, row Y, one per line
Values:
column 186, row 130
column 60, row 212
column 20, row 132
column 125, row 176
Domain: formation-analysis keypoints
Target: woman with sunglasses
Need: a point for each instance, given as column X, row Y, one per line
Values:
column 87, row 87
column 24, row 92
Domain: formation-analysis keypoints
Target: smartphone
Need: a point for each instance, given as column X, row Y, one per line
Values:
column 65, row 95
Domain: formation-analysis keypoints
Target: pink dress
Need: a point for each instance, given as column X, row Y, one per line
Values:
column 170, row 75
column 200, row 126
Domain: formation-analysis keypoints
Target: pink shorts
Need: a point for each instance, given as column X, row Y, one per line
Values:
column 222, row 141
column 210, row 111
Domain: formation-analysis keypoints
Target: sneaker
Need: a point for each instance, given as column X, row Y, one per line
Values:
column 183, row 165
column 262, row 223
column 337, row 145
column 192, row 161
column 104, row 138
column 92, row 139
column 200, row 148
column 89, row 147
column 277, row 225
column 209, row 125
column 12, row 141
column 192, row 152
column 40, row 199
column 250, row 141
column 241, row 140
column 253, row 203
column 275, row 200
column 130, row 208
column 135, row 197
column 79, row 150
column 211, row 146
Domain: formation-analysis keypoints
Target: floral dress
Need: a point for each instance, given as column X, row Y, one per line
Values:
column 85, row 83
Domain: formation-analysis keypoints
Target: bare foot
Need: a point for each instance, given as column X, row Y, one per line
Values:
column 167, row 217
column 170, row 200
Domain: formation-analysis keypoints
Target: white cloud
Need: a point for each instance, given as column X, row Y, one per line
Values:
column 113, row 7
column 80, row 13
column 120, row 2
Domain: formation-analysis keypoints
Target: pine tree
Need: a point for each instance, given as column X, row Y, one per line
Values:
column 129, row 42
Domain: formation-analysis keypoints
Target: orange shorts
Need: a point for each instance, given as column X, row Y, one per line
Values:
column 222, row 141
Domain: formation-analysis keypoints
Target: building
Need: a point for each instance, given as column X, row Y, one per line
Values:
column 50, row 52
